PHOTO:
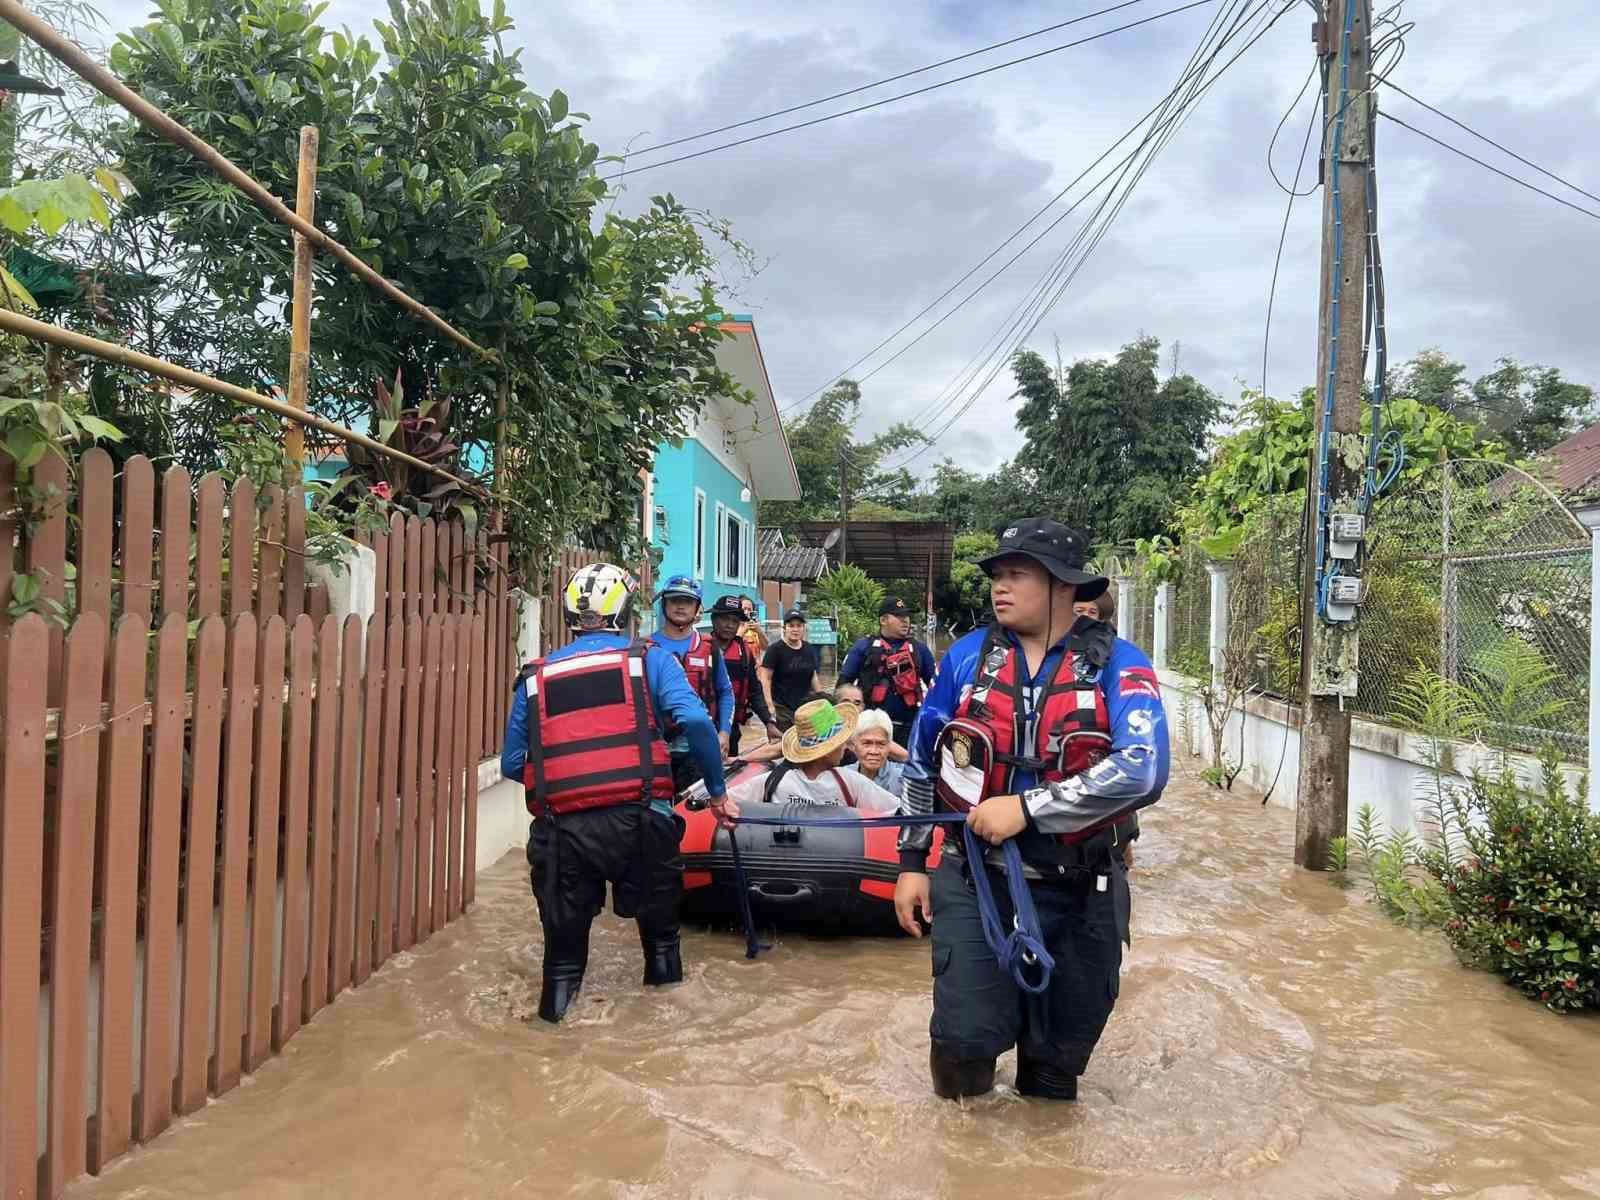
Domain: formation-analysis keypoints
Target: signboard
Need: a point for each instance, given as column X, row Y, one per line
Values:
column 819, row 632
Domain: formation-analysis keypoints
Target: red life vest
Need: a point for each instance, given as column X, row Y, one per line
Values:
column 593, row 741
column 700, row 665
column 1072, row 730
column 883, row 668
column 735, row 658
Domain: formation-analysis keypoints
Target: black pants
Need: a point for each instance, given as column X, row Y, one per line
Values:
column 685, row 772
column 979, row 1012
column 573, row 857
column 902, row 730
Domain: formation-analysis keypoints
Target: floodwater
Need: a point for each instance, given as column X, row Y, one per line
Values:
column 1275, row 1037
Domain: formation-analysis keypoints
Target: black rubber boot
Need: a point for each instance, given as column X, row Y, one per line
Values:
column 1044, row 1081
column 954, row 1078
column 560, row 989
column 663, row 963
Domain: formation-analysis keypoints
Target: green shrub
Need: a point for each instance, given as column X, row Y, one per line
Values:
column 1524, row 898
column 848, row 592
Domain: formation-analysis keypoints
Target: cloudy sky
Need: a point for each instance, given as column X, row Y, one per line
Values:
column 866, row 219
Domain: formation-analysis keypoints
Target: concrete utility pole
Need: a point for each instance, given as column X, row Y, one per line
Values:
column 1330, row 650
column 844, row 505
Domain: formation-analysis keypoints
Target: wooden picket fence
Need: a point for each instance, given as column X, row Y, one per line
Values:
column 219, row 806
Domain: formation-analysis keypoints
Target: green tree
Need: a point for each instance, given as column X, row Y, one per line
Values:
column 1112, row 447
column 850, row 596
column 822, row 441
column 1431, row 378
column 964, row 601
column 975, row 503
column 443, row 169
column 1530, row 408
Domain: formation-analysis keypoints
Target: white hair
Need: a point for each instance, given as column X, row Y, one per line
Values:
column 875, row 718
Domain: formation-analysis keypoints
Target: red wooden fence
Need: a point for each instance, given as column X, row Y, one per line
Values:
column 210, row 749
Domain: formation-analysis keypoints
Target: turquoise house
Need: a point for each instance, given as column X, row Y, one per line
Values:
column 701, row 496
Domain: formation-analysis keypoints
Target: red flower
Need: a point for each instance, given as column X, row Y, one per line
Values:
column 382, row 491
column 1570, row 984
column 1513, row 945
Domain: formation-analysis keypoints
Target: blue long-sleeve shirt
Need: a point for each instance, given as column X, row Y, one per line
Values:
column 670, row 693
column 894, row 704
column 720, row 684
column 1135, row 768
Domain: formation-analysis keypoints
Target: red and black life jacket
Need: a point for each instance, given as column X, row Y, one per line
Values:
column 700, row 665
column 593, row 740
column 885, row 668
column 980, row 751
column 736, row 658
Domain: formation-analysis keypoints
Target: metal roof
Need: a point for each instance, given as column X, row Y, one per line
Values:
column 788, row 564
column 888, row 550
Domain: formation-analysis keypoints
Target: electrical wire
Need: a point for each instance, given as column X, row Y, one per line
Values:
column 1282, row 121
column 1532, row 187
column 1060, row 277
column 1506, row 150
column 1016, row 233
column 867, row 87
column 860, row 108
column 1283, row 233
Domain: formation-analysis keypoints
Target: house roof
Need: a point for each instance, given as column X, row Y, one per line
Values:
column 757, row 428
column 1576, row 461
column 890, row 549
column 788, row 564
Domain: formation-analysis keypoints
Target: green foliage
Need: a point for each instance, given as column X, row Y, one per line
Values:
column 1338, row 856
column 1530, row 408
column 440, row 167
column 1270, row 454
column 1524, row 900
column 49, row 204
column 964, row 601
column 1516, row 684
column 1445, row 712
column 1396, row 876
column 1112, row 447
column 1157, row 559
column 849, row 594
column 823, row 442
column 422, row 431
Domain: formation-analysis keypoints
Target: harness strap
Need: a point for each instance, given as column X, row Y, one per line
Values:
column 644, row 727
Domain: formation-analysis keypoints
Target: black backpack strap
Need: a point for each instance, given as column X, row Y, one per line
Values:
column 774, row 777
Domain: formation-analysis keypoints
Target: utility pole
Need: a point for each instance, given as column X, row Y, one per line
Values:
column 844, row 506
column 1330, row 650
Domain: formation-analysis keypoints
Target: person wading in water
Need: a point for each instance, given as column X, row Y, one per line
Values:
column 584, row 737
column 1047, row 728
column 892, row 668
column 727, row 618
column 680, row 600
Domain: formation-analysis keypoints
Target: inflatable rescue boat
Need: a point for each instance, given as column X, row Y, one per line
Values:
column 832, row 880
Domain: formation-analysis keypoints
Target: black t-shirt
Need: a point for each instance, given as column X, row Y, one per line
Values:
column 791, row 672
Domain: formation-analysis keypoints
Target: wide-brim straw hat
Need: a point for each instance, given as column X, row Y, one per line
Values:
column 820, row 727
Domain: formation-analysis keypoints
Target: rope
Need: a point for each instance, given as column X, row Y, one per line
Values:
column 1020, row 950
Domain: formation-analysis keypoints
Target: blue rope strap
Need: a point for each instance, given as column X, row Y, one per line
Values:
column 1020, row 950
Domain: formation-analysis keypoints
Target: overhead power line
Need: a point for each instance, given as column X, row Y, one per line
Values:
column 1462, row 125
column 867, row 87
column 1489, row 167
column 915, row 92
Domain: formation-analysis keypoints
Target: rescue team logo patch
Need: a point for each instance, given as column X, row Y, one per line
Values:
column 961, row 750
column 1140, row 681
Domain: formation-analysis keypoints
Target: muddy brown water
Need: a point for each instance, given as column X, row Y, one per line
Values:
column 1275, row 1037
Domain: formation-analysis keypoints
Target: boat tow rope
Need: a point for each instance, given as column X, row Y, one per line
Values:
column 1020, row 951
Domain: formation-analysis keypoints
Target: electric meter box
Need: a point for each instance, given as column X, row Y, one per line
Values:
column 1345, row 531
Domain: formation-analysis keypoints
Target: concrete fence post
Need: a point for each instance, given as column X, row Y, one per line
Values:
column 351, row 583
column 1589, row 514
column 527, row 608
column 1126, row 625
column 1219, row 615
column 1160, row 639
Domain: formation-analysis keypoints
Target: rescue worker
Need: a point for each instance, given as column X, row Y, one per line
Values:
column 727, row 618
column 680, row 601
column 1048, row 728
column 893, row 668
column 585, row 739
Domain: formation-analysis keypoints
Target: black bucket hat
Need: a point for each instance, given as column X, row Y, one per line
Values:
column 1057, row 548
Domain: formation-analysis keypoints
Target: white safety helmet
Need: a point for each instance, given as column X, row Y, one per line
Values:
column 599, row 596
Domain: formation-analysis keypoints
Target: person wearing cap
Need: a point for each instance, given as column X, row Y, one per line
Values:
column 727, row 616
column 789, row 669
column 893, row 668
column 585, row 740
column 1047, row 728
column 680, row 599
column 810, row 773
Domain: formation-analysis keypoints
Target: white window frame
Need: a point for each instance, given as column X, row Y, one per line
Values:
column 699, row 534
column 745, row 540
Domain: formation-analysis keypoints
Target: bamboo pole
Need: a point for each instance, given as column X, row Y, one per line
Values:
column 43, row 331
column 305, row 207
column 65, row 51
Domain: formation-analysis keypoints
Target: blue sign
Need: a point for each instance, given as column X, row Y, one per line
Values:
column 819, row 632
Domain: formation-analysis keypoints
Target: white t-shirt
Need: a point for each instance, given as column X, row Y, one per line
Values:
column 824, row 789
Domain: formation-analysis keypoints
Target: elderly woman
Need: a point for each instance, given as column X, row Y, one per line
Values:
column 810, row 772
column 874, row 739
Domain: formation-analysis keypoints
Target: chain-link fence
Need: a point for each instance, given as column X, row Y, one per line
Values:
column 1476, row 573
column 1137, row 624
column 1189, row 615
column 1264, row 598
